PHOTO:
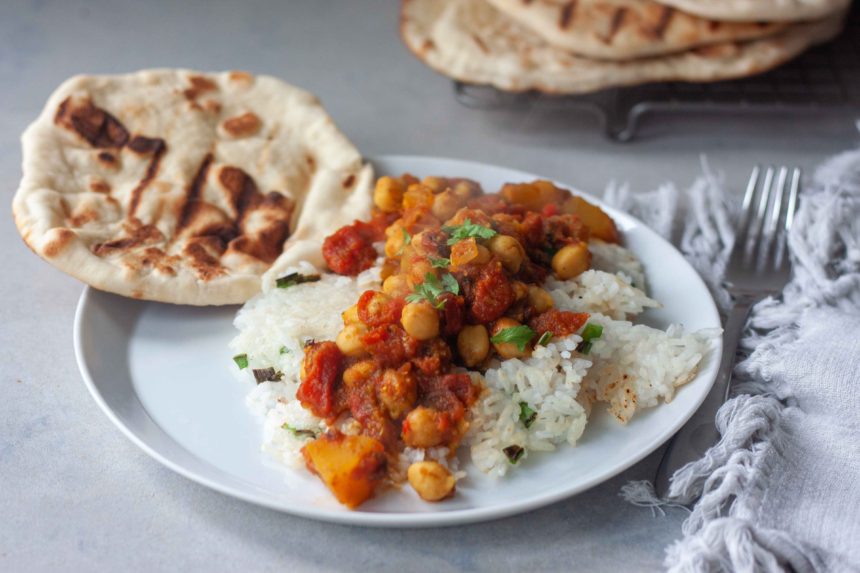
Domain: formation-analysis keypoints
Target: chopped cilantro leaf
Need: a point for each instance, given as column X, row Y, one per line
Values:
column 468, row 229
column 407, row 239
column 520, row 335
column 440, row 263
column 241, row 361
column 298, row 432
column 267, row 374
column 284, row 350
column 590, row 333
column 294, row 279
column 545, row 338
column 527, row 415
column 514, row 453
column 432, row 288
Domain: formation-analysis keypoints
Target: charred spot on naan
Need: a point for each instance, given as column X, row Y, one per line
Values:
column 243, row 125
column 98, row 127
column 242, row 78
column 136, row 234
column 153, row 258
column 199, row 85
column 58, row 239
column 265, row 227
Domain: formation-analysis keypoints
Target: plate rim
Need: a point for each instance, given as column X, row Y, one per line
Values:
column 411, row 520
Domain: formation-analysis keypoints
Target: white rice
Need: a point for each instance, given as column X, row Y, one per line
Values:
column 629, row 366
column 273, row 326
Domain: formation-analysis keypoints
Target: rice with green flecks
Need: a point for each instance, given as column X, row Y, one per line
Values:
column 527, row 405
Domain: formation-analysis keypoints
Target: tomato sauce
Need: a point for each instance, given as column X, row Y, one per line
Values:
column 462, row 287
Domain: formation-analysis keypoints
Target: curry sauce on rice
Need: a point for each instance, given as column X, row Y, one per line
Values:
column 454, row 318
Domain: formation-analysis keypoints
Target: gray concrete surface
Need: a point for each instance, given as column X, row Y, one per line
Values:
column 75, row 495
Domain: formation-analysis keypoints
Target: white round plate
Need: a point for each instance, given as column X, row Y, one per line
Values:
column 162, row 374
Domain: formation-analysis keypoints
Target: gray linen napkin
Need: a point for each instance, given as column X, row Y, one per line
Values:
column 781, row 490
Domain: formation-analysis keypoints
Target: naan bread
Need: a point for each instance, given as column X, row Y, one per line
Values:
column 625, row 29
column 472, row 41
column 769, row 10
column 179, row 186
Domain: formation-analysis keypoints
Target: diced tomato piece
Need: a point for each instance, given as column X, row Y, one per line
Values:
column 453, row 313
column 350, row 249
column 491, row 295
column 558, row 322
column 321, row 371
column 390, row 345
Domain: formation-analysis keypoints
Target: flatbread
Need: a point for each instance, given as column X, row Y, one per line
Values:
column 625, row 29
column 768, row 10
column 179, row 186
column 472, row 41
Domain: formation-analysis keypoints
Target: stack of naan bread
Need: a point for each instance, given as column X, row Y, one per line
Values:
column 576, row 46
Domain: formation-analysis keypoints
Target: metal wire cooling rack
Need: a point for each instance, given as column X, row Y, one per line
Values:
column 826, row 77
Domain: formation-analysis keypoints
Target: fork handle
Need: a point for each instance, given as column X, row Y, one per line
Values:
column 700, row 432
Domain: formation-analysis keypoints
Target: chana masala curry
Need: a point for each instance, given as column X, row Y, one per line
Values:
column 461, row 285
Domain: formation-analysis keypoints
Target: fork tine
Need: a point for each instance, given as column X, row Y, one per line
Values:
column 780, row 258
column 781, row 178
column 753, row 238
column 746, row 211
column 792, row 198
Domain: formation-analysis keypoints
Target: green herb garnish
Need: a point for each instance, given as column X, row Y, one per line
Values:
column 267, row 375
column 294, row 279
column 589, row 333
column 520, row 335
column 545, row 338
column 440, row 263
column 467, row 230
column 241, row 361
column 407, row 239
column 527, row 415
column 299, row 433
column 284, row 350
column 432, row 288
column 514, row 453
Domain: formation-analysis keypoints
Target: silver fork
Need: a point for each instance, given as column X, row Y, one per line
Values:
column 758, row 267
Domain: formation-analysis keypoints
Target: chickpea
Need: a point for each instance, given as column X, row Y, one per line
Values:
column 571, row 261
column 508, row 349
column 540, row 299
column 389, row 267
column 418, row 195
column 395, row 240
column 465, row 190
column 350, row 315
column 521, row 289
column 421, row 429
column 473, row 343
column 358, row 372
column 420, row 320
column 416, row 271
column 388, row 194
column 396, row 286
column 484, row 255
column 431, row 480
column 437, row 184
column 398, row 391
column 445, row 204
column 349, row 340
column 508, row 250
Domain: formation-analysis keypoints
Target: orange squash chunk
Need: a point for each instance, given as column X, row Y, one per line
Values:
column 600, row 225
column 350, row 466
column 532, row 196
